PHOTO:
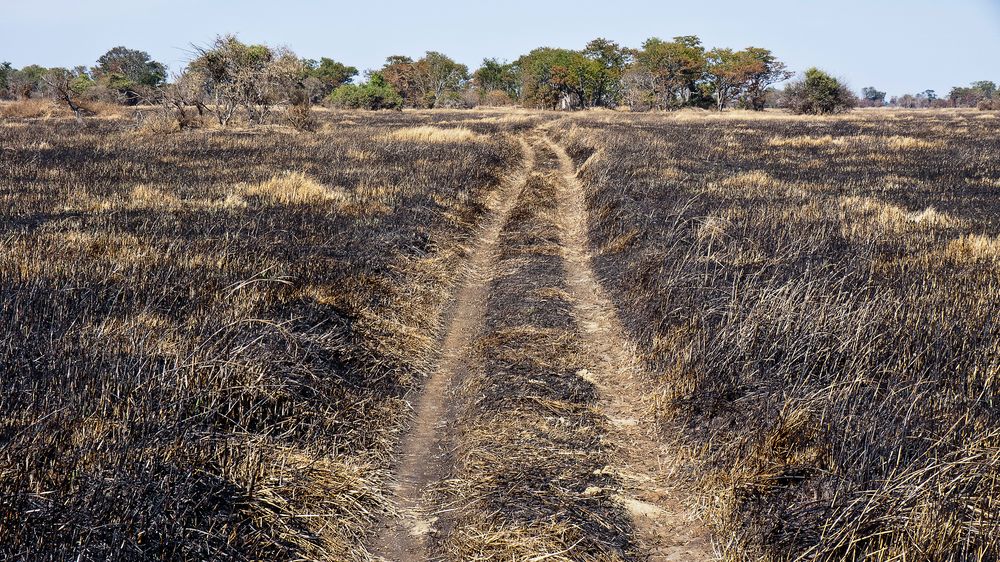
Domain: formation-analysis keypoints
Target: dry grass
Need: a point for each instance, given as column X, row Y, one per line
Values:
column 296, row 188
column 973, row 248
column 32, row 109
column 807, row 141
column 893, row 142
column 825, row 327
column 213, row 341
column 899, row 142
column 212, row 332
column 429, row 134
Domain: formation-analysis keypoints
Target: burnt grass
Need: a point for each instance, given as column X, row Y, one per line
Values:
column 193, row 370
column 531, row 476
column 207, row 338
column 818, row 299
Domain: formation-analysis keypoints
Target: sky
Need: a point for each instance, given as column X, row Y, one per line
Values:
column 899, row 46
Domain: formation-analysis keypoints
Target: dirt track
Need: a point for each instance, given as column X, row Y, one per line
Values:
column 638, row 485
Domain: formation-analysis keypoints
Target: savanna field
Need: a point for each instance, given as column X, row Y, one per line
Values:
column 775, row 336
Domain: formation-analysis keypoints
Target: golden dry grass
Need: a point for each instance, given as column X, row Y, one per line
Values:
column 295, row 188
column 807, row 141
column 31, row 109
column 431, row 134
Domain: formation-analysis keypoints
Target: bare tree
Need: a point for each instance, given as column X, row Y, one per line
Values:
column 255, row 78
column 59, row 84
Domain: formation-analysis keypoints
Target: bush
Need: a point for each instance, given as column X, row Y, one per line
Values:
column 162, row 122
column 375, row 94
column 457, row 100
column 989, row 105
column 496, row 98
column 298, row 114
column 818, row 93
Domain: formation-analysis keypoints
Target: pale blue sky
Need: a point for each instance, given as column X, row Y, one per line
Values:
column 896, row 45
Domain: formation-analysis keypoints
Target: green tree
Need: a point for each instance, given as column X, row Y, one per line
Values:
column 82, row 81
column 6, row 69
column 330, row 71
column 971, row 96
column 428, row 81
column 818, row 93
column 496, row 76
column 666, row 73
column 26, row 82
column 438, row 77
column 133, row 74
column 873, row 96
column 610, row 61
column 400, row 73
column 729, row 73
column 987, row 87
column 374, row 94
column 67, row 86
column 762, row 70
column 324, row 76
column 552, row 78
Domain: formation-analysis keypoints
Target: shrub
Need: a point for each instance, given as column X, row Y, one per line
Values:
column 989, row 105
column 375, row 94
column 457, row 100
column 299, row 112
column 162, row 122
column 818, row 93
column 496, row 98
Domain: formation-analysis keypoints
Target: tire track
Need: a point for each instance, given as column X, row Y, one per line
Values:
column 667, row 532
column 426, row 449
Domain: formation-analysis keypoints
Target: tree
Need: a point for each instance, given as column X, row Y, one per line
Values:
column 375, row 94
column 496, row 77
column 64, row 85
column 26, row 82
column 437, row 76
column 872, row 97
column 728, row 72
column 665, row 74
column 987, row 87
column 973, row 95
column 133, row 74
column 426, row 82
column 252, row 77
column 400, row 73
column 922, row 100
column 818, row 93
column 325, row 76
column 763, row 70
column 553, row 78
column 610, row 61
column 5, row 71
column 186, row 89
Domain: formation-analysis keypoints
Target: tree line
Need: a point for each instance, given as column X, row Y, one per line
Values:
column 982, row 94
column 227, row 78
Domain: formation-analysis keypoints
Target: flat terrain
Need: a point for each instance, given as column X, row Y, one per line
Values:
column 502, row 335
